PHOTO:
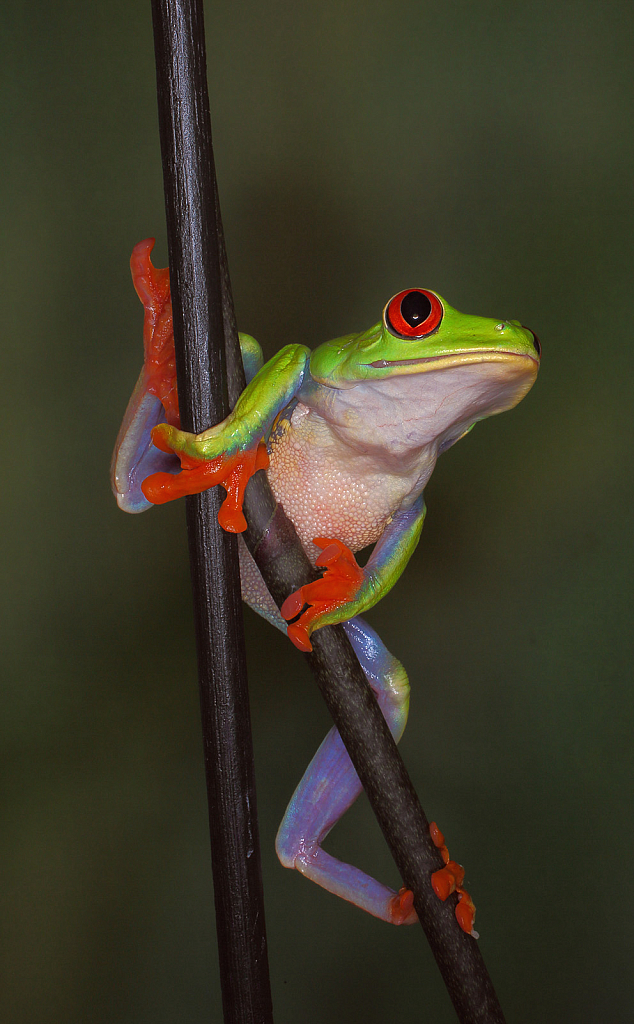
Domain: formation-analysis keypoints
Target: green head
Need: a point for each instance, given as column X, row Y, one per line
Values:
column 421, row 333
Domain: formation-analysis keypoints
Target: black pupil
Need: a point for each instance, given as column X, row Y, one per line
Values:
column 415, row 308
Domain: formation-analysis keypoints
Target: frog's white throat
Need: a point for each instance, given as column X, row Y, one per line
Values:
column 405, row 413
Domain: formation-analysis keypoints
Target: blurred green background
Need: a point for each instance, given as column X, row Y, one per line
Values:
column 484, row 150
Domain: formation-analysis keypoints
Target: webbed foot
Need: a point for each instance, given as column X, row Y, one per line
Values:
column 449, row 879
column 338, row 587
column 152, row 285
column 198, row 474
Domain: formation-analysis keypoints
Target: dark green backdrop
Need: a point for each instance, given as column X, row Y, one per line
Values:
column 480, row 149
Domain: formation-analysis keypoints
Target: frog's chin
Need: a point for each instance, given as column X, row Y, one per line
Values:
column 446, row 395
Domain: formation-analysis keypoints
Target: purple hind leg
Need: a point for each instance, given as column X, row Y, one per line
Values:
column 330, row 785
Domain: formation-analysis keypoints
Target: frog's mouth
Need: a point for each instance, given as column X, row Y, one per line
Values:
column 459, row 359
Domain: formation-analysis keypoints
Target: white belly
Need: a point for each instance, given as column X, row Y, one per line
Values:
column 327, row 490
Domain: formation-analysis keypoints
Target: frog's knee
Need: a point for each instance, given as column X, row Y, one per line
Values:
column 397, row 695
column 286, row 847
column 397, row 683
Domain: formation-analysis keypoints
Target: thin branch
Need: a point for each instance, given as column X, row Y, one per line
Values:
column 285, row 567
column 185, row 132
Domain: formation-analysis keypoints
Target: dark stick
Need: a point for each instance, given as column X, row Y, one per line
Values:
column 285, row 567
column 185, row 132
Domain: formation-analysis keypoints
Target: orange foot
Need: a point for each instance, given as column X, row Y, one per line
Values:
column 339, row 585
column 449, row 879
column 152, row 285
column 402, row 907
column 197, row 475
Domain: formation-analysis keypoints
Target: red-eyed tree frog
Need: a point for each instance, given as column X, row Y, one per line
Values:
column 349, row 435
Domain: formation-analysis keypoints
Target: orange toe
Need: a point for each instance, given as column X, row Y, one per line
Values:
column 298, row 635
column 402, row 907
column 292, row 605
column 465, row 913
column 447, row 880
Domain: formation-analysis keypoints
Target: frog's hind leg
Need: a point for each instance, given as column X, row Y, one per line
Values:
column 330, row 785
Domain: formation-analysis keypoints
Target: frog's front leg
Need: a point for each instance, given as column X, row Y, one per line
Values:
column 231, row 452
column 346, row 589
column 330, row 785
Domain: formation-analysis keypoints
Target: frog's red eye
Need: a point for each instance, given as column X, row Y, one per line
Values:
column 413, row 313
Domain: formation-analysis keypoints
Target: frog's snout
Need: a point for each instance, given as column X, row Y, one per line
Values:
column 533, row 337
column 536, row 342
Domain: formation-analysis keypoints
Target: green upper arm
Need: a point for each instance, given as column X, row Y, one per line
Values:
column 269, row 391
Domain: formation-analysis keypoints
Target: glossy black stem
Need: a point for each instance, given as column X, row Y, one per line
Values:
column 284, row 565
column 192, row 231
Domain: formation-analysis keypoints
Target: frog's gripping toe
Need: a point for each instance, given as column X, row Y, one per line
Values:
column 402, row 907
column 339, row 585
column 447, row 880
column 465, row 913
column 198, row 475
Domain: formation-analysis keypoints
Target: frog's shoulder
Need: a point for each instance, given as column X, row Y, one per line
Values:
column 333, row 364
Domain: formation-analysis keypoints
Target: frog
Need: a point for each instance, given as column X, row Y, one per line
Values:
column 348, row 435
